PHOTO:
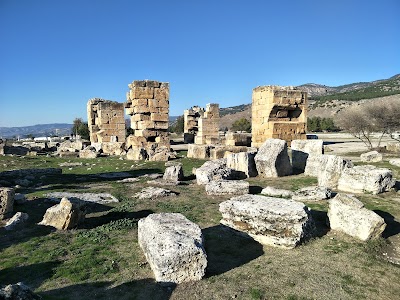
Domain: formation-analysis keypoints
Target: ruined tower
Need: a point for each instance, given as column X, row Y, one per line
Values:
column 208, row 126
column 278, row 112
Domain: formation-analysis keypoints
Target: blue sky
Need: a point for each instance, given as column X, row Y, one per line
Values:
column 55, row 55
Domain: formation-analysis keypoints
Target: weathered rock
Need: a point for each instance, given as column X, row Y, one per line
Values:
column 395, row 162
column 136, row 153
column 89, row 152
column 173, row 247
column 216, row 170
column 270, row 221
column 65, row 215
column 301, row 149
column 18, row 291
column 19, row 199
column 129, row 180
column 227, row 187
column 272, row 159
column 273, row 192
column 199, row 151
column 312, row 193
column 17, row 220
column 102, row 198
column 6, row 201
column 393, row 147
column 70, row 146
column 347, row 214
column 243, row 162
column 327, row 168
column 160, row 154
column 173, row 173
column 366, row 178
column 372, row 156
column 113, row 148
column 223, row 151
column 154, row 192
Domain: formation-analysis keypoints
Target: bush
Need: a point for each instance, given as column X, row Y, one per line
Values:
column 241, row 125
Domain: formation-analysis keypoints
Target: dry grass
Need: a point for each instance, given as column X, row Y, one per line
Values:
column 102, row 259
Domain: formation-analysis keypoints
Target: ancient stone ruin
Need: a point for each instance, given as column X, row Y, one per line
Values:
column 106, row 121
column 208, row 126
column 191, row 123
column 278, row 112
column 148, row 105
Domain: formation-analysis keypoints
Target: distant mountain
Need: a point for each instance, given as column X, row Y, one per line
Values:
column 60, row 129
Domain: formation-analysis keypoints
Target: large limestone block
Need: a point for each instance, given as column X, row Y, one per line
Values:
column 366, row 178
column 301, row 149
column 88, row 152
column 215, row 170
column 6, row 201
column 312, row 193
column 136, row 153
column 227, row 187
column 173, row 247
column 272, row 159
column 114, row 148
column 395, row 162
column 347, row 214
column 243, row 162
column 372, row 156
column 65, row 215
column 270, row 221
column 327, row 168
column 274, row 192
column 198, row 151
column 70, row 146
column 173, row 173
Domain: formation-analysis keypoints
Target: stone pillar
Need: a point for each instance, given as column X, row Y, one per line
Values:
column 148, row 105
column 208, row 126
column 278, row 112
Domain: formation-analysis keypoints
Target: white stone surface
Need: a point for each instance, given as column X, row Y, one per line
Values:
column 101, row 198
column 274, row 192
column 301, row 149
column 312, row 193
column 347, row 214
column 17, row 220
column 214, row 170
column 243, row 162
column 366, row 178
column 173, row 173
column 227, row 187
column 270, row 221
column 272, row 159
column 371, row 156
column 173, row 247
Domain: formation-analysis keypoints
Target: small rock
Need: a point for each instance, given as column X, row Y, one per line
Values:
column 173, row 173
column 312, row 193
column 395, row 162
column 154, row 192
column 18, row 291
column 273, row 192
column 372, row 156
column 6, row 201
column 227, row 187
column 17, row 220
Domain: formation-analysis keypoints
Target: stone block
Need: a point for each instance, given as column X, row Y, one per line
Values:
column 227, row 187
column 243, row 162
column 347, row 214
column 173, row 247
column 371, row 156
column 366, row 179
column 198, row 151
column 141, row 93
column 173, row 173
column 6, row 201
column 301, row 149
column 272, row 159
column 270, row 221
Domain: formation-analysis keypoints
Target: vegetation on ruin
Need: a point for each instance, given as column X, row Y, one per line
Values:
column 102, row 259
column 79, row 127
column 241, row 125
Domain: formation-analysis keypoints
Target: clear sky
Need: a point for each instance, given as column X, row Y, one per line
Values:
column 55, row 55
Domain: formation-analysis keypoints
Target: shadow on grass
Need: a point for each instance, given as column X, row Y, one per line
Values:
column 142, row 289
column 228, row 249
column 32, row 275
column 392, row 226
column 255, row 189
column 93, row 222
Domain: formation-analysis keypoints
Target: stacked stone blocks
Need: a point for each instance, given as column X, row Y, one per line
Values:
column 278, row 112
column 208, row 126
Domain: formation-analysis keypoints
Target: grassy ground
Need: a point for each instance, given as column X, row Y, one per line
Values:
column 102, row 260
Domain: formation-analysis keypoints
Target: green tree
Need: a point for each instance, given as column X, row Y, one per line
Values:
column 241, row 125
column 81, row 128
column 178, row 125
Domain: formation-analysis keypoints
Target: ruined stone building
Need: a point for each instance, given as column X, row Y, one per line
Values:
column 208, row 126
column 106, row 121
column 278, row 112
column 148, row 105
column 191, row 123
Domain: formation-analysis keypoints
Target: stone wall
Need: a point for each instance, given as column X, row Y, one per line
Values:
column 278, row 112
column 191, row 123
column 208, row 126
column 106, row 121
column 148, row 105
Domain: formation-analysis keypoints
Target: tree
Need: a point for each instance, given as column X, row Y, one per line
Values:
column 178, row 125
column 80, row 128
column 241, row 125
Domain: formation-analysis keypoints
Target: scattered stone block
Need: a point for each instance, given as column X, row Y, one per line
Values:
column 198, row 151
column 70, row 146
column 88, row 152
column 227, row 187
column 136, row 153
column 366, row 178
column 301, row 149
column 272, row 159
column 6, row 201
column 16, row 221
column 393, row 147
column 223, row 151
column 173, row 173
column 65, row 215
column 312, row 193
column 154, row 192
column 347, row 214
column 173, row 247
column 215, row 170
column 18, row 291
column 243, row 162
column 19, row 199
column 395, row 162
column 270, row 221
column 274, row 192
column 101, row 198
column 372, row 156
